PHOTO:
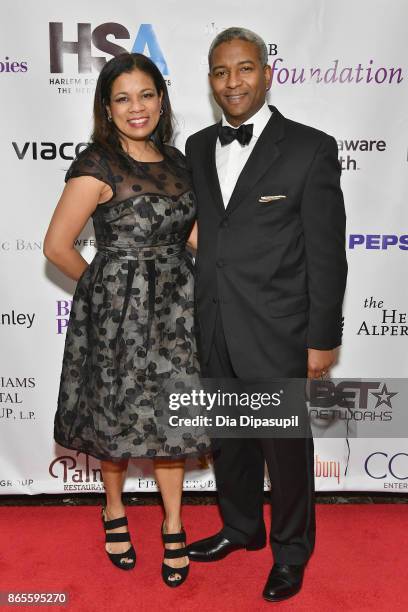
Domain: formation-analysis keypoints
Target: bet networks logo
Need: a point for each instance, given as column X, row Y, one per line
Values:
column 350, row 400
column 100, row 38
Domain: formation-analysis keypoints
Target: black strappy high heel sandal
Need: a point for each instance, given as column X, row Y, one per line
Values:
column 119, row 559
column 167, row 571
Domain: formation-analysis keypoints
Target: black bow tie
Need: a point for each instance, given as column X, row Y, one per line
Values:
column 243, row 134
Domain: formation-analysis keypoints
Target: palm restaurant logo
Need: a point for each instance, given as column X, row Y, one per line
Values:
column 77, row 474
column 109, row 38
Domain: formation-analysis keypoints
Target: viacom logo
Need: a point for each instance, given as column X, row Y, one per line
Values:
column 87, row 38
column 48, row 150
column 381, row 466
column 76, row 475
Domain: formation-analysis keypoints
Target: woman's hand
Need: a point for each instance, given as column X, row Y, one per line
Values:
column 78, row 201
column 193, row 237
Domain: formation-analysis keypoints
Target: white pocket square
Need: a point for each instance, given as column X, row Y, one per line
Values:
column 271, row 198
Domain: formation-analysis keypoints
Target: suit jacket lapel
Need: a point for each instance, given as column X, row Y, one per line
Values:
column 211, row 169
column 264, row 154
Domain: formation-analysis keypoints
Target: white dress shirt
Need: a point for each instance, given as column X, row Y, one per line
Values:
column 230, row 159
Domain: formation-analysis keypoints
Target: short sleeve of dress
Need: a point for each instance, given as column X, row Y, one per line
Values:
column 176, row 156
column 92, row 162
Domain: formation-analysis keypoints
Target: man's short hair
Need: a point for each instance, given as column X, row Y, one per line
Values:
column 240, row 34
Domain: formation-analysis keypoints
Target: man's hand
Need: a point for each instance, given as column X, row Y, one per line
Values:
column 319, row 362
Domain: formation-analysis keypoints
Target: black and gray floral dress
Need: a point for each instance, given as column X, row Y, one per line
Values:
column 131, row 332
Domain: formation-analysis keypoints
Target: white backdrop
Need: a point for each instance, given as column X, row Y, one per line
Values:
column 341, row 67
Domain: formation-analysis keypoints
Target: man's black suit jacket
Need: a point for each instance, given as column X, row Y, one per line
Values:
column 276, row 270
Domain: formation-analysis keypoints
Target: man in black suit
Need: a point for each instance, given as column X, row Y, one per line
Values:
column 271, row 274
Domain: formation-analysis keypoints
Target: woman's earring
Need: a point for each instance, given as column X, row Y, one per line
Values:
column 109, row 118
column 161, row 111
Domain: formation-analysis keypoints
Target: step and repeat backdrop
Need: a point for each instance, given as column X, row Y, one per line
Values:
column 341, row 67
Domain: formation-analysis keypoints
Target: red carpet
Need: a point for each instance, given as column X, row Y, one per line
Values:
column 360, row 562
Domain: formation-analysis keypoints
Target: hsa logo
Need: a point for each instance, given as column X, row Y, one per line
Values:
column 145, row 40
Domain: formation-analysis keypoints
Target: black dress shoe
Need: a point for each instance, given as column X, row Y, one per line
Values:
column 283, row 582
column 218, row 546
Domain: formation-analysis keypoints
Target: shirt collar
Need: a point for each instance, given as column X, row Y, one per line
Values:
column 260, row 119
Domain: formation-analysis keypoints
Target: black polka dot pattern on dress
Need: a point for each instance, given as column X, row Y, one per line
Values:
column 131, row 334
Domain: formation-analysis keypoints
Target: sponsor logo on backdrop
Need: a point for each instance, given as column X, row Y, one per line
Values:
column 327, row 468
column 382, row 242
column 350, row 400
column 16, row 318
column 193, row 484
column 382, row 321
column 80, row 472
column 212, row 29
column 21, row 245
column 13, row 394
column 348, row 148
column 190, row 484
column 90, row 38
column 335, row 72
column 390, row 467
column 13, row 484
column 63, row 311
column 48, row 150
column 10, row 65
column 77, row 474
